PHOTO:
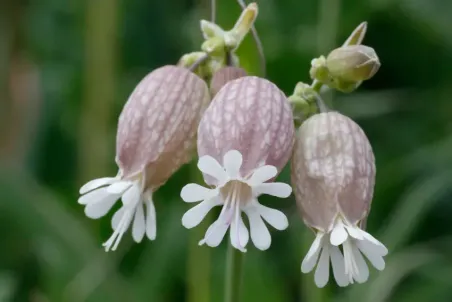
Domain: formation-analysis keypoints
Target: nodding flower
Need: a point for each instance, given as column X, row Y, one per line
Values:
column 333, row 176
column 156, row 135
column 245, row 138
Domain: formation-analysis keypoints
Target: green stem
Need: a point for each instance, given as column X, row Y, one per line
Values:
column 234, row 269
column 316, row 86
column 198, row 269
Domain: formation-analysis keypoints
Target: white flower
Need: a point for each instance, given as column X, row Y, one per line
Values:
column 350, row 266
column 236, row 193
column 99, row 196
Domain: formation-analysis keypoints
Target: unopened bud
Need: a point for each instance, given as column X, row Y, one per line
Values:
column 353, row 63
column 223, row 76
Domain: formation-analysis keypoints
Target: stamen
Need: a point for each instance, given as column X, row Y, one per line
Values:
column 237, row 218
column 232, row 195
column 220, row 218
column 351, row 268
column 115, row 238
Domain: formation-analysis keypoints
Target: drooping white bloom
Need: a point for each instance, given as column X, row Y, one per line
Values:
column 156, row 135
column 99, row 196
column 236, row 194
column 245, row 138
column 333, row 175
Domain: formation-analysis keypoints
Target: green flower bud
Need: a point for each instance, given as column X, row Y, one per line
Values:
column 353, row 63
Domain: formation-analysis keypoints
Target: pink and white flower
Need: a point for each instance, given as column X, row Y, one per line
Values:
column 244, row 139
column 156, row 135
column 333, row 175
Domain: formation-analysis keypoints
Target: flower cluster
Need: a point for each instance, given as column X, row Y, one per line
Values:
column 243, row 130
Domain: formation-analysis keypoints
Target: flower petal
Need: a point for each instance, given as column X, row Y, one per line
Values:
column 337, row 261
column 374, row 257
column 209, row 165
column 232, row 162
column 151, row 219
column 382, row 250
column 355, row 232
column 195, row 192
column 277, row 189
column 275, row 218
column 93, row 196
column 96, row 183
column 244, row 234
column 310, row 260
column 132, row 196
column 138, row 227
column 195, row 215
column 117, row 218
column 119, row 187
column 338, row 235
column 361, row 265
column 215, row 233
column 322, row 273
column 239, row 235
column 259, row 231
column 262, row 174
column 101, row 207
column 124, row 223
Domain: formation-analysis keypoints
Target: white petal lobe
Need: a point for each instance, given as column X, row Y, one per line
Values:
column 215, row 234
column 151, row 222
column 259, row 231
column 117, row 218
column 195, row 192
column 139, row 227
column 93, row 196
column 275, row 218
column 119, row 187
column 96, row 183
column 363, row 270
column 262, row 174
column 310, row 260
column 208, row 165
column 277, row 189
column 232, row 162
column 338, row 235
column 371, row 254
column 338, row 264
column 322, row 273
column 195, row 215
column 132, row 196
column 100, row 208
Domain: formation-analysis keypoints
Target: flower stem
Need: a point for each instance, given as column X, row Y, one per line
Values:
column 198, row 263
column 234, row 269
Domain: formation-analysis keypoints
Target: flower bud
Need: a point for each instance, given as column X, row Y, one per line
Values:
column 333, row 176
column 156, row 135
column 353, row 63
column 244, row 139
column 223, row 76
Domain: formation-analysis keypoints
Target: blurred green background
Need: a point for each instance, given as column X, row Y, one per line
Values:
column 67, row 68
